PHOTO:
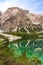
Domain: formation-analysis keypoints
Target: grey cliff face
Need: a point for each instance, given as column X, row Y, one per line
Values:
column 16, row 19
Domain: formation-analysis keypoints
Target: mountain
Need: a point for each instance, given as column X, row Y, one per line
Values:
column 0, row 16
column 16, row 19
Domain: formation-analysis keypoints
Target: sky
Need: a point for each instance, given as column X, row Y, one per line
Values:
column 35, row 6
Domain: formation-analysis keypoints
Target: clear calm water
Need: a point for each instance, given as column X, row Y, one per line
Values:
column 30, row 48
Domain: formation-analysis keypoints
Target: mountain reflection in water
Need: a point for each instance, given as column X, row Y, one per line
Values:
column 30, row 48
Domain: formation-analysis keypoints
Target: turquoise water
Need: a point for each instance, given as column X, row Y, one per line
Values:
column 30, row 48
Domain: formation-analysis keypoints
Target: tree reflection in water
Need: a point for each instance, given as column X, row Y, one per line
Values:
column 28, row 48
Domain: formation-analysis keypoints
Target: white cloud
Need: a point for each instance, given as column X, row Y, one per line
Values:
column 4, row 6
column 31, row 5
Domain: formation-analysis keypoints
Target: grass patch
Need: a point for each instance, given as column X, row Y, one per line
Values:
column 26, row 35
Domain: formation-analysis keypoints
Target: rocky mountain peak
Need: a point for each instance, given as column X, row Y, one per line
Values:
column 34, row 18
column 15, row 18
column 0, row 13
column 12, row 8
column 0, row 17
